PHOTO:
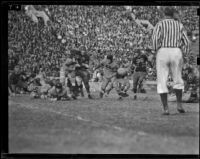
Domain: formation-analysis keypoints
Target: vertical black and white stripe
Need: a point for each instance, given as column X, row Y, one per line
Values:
column 170, row 33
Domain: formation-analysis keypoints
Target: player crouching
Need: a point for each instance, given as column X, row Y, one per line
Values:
column 58, row 93
column 122, row 84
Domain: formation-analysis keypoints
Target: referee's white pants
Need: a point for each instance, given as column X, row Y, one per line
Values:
column 169, row 58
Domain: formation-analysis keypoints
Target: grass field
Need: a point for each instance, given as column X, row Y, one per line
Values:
column 102, row 126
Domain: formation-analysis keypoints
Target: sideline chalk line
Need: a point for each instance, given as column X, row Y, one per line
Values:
column 68, row 115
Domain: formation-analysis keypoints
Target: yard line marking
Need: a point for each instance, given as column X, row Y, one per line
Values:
column 68, row 115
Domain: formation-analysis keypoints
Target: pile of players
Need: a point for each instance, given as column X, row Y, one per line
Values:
column 75, row 75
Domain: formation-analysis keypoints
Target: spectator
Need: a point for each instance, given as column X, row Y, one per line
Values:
column 99, row 28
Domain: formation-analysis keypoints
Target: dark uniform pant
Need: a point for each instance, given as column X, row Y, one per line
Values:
column 85, row 75
column 138, row 78
column 107, row 83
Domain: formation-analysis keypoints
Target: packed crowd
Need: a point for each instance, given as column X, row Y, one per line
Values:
column 101, row 29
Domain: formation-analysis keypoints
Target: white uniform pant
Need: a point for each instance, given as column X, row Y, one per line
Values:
column 169, row 59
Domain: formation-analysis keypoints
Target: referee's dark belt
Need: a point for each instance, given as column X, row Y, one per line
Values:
column 169, row 47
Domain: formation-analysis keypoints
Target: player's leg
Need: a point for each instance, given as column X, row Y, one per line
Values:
column 140, row 80
column 69, row 87
column 85, row 75
column 117, row 86
column 14, row 88
column 176, row 67
column 80, row 85
column 81, row 90
column 127, row 85
column 135, row 83
column 110, row 85
column 103, row 86
column 10, row 91
column 64, row 94
column 162, row 69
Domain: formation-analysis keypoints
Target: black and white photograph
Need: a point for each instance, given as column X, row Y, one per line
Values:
column 103, row 79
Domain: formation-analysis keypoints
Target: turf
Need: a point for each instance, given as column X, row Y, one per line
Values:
column 102, row 126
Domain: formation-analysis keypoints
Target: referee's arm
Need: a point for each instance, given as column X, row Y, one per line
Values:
column 185, row 42
column 156, row 37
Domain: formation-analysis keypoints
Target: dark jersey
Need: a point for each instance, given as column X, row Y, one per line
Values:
column 140, row 62
column 14, row 78
column 186, row 72
column 83, row 59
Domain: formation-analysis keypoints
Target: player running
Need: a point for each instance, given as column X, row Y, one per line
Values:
column 109, row 71
column 82, row 59
column 139, row 63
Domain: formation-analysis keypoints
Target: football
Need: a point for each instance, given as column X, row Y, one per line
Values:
column 122, row 71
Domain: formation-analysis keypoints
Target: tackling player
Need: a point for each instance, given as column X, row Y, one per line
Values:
column 139, row 63
column 58, row 93
column 109, row 71
column 122, row 84
column 82, row 60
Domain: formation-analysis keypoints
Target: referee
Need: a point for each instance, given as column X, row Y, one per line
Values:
column 170, row 43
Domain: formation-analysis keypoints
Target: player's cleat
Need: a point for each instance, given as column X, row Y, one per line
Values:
column 142, row 90
column 65, row 98
column 101, row 94
column 135, row 97
column 89, row 96
column 181, row 110
column 166, row 112
column 107, row 93
column 82, row 94
column 74, row 97
column 120, row 98
column 123, row 94
column 192, row 100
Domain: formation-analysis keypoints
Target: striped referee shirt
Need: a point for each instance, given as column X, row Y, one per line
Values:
column 170, row 33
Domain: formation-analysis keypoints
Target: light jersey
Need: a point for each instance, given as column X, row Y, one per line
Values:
column 109, row 69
